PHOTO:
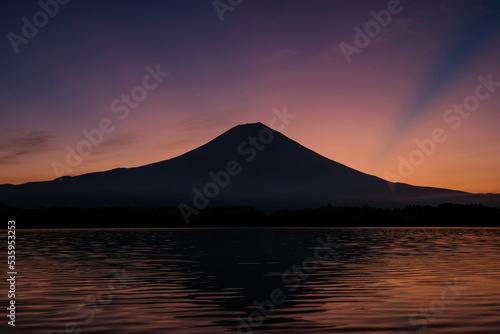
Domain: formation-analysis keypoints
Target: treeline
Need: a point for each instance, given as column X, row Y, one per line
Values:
column 240, row 216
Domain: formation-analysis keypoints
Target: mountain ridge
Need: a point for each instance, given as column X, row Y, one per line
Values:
column 276, row 172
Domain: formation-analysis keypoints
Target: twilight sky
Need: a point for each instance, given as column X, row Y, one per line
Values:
column 426, row 75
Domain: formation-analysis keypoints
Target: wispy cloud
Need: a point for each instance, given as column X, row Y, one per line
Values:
column 125, row 140
column 15, row 147
column 176, row 144
column 110, row 153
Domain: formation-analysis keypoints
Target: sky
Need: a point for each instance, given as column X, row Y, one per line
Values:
column 405, row 90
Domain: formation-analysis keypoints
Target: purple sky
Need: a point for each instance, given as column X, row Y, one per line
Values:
column 264, row 55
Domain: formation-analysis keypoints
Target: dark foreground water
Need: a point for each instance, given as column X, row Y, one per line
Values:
column 380, row 280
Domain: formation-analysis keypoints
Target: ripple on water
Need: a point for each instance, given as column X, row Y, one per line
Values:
column 202, row 281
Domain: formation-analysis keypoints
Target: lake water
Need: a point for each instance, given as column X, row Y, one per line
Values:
column 370, row 280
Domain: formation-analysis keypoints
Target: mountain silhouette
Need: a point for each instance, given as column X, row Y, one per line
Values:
column 250, row 164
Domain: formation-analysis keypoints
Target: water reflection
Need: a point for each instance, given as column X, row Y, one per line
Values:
column 204, row 280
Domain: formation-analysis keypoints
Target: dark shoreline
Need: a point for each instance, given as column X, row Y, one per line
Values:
column 444, row 215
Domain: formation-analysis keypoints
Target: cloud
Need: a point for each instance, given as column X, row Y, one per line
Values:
column 475, row 29
column 16, row 147
column 117, row 142
column 110, row 153
column 176, row 144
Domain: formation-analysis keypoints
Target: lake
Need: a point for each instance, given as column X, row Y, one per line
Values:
column 267, row 280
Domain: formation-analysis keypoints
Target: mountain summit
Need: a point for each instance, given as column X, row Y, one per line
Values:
column 250, row 164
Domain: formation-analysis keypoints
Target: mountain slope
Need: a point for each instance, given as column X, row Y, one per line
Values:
column 274, row 172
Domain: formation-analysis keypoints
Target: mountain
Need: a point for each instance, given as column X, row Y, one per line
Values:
column 249, row 164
